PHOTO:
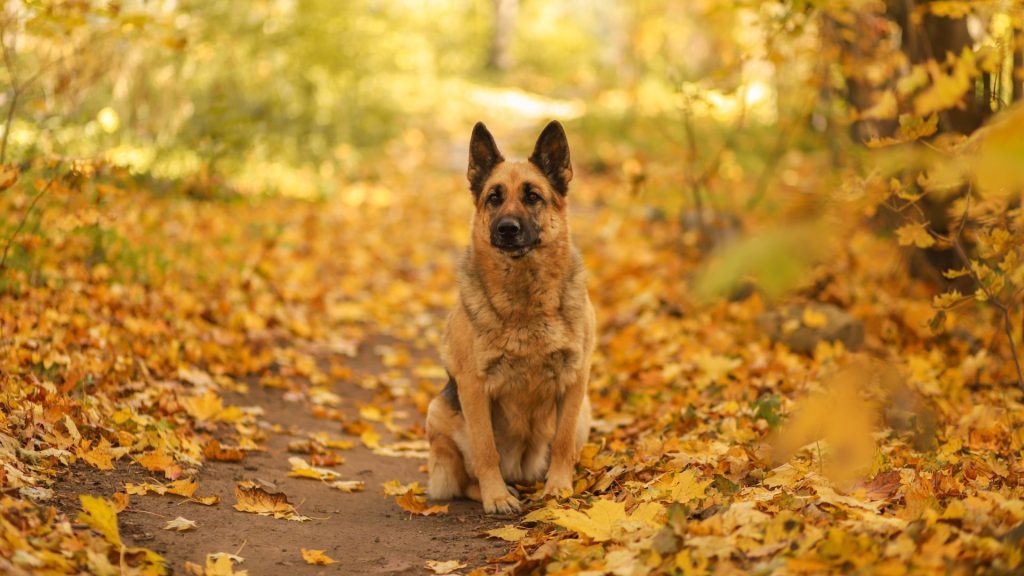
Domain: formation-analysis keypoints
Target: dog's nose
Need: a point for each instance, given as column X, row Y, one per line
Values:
column 508, row 227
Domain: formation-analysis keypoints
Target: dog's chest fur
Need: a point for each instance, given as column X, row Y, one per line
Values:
column 528, row 327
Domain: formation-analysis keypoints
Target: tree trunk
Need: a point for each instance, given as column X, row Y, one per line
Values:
column 935, row 39
column 505, row 13
column 1018, row 65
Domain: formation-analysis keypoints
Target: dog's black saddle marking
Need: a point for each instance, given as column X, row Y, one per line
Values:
column 451, row 394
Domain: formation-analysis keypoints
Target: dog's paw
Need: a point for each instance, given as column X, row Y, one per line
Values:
column 558, row 485
column 500, row 503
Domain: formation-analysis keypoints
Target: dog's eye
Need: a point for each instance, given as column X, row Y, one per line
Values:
column 533, row 198
column 494, row 198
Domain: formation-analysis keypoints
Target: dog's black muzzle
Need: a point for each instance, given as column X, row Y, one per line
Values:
column 513, row 236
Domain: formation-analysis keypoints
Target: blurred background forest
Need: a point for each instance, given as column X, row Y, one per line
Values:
column 253, row 91
column 707, row 113
column 196, row 195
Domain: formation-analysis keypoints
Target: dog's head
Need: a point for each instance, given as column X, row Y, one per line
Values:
column 520, row 206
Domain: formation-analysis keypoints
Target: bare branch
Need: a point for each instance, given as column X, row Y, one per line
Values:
column 24, row 219
column 15, row 91
column 999, row 305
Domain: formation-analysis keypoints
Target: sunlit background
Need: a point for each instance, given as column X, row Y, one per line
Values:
column 298, row 96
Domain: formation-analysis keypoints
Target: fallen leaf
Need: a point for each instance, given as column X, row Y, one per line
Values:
column 180, row 524
column 101, row 515
column 302, row 469
column 185, row 487
column 326, row 459
column 218, row 453
column 370, row 438
column 396, row 488
column 220, row 564
column 607, row 519
column 144, row 488
column 155, row 461
column 209, row 407
column 316, row 557
column 444, row 567
column 100, row 456
column 349, row 485
column 684, row 486
column 414, row 504
column 252, row 498
column 508, row 533
column 120, row 501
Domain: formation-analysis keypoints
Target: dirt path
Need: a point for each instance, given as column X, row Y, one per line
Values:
column 366, row 532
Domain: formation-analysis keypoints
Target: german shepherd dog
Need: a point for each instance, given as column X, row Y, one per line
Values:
column 518, row 345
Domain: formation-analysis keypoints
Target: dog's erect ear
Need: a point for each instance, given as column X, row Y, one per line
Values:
column 483, row 157
column 551, row 155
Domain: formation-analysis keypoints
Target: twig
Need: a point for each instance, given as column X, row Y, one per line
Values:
column 24, row 219
column 140, row 511
column 1003, row 309
column 18, row 88
column 15, row 93
column 821, row 461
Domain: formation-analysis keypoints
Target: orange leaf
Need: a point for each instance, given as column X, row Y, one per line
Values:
column 216, row 452
column 418, row 505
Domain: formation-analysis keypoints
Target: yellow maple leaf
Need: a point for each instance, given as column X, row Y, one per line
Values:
column 302, row 469
column 684, row 486
column 947, row 300
column 396, row 488
column 205, row 500
column 444, row 567
column 370, row 438
column 317, row 557
column 205, row 407
column 157, row 461
column 508, row 533
column 144, row 488
column 915, row 234
column 209, row 408
column 185, row 487
column 414, row 504
column 100, row 456
column 813, row 318
column 101, row 515
column 607, row 519
column 221, row 565
column 947, row 90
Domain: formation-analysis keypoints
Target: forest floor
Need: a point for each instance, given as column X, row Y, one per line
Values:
column 365, row 532
column 261, row 367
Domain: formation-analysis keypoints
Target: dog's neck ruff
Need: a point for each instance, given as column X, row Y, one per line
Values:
column 500, row 289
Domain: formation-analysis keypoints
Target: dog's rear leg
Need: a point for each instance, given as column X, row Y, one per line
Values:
column 447, row 468
column 448, row 477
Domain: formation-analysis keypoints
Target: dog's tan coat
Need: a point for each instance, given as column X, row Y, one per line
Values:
column 518, row 347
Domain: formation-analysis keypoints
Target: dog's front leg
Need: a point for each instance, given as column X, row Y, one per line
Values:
column 563, row 447
column 476, row 407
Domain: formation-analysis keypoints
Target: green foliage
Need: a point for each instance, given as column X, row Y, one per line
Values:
column 767, row 408
column 776, row 259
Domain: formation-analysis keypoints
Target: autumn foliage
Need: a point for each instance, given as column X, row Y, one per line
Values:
column 802, row 223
